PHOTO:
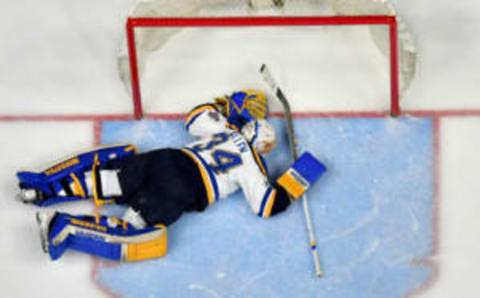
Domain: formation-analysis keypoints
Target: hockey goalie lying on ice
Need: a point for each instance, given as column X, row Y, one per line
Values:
column 158, row 186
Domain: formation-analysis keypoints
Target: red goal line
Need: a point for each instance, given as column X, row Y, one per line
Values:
column 272, row 21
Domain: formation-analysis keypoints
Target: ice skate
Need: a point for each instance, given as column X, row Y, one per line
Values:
column 29, row 195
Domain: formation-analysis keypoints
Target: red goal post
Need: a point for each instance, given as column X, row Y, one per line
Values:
column 272, row 21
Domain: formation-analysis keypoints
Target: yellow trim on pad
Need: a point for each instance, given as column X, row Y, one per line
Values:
column 77, row 186
column 151, row 249
column 62, row 166
column 131, row 148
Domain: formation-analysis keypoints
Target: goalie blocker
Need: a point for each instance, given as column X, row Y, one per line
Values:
column 301, row 175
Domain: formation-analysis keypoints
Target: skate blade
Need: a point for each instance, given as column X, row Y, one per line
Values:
column 43, row 221
column 27, row 196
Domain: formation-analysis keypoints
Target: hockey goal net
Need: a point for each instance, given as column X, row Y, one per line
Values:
column 153, row 23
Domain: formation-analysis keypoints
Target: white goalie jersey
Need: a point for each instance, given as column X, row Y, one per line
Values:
column 228, row 163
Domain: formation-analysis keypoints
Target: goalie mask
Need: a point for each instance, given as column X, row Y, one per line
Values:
column 261, row 135
column 251, row 102
column 243, row 106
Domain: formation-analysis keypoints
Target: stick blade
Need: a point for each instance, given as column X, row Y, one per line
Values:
column 267, row 76
column 272, row 83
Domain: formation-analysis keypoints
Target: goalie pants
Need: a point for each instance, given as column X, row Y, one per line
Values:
column 160, row 185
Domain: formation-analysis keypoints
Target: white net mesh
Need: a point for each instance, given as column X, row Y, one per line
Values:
column 149, row 40
column 407, row 48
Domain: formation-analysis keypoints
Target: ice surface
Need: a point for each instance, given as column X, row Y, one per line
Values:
column 25, row 271
column 373, row 213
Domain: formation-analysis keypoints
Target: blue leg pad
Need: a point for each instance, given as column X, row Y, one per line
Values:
column 65, row 181
column 105, row 237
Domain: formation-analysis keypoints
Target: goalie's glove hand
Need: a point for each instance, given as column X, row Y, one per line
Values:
column 243, row 106
column 301, row 175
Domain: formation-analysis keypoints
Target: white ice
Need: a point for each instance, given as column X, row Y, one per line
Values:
column 59, row 57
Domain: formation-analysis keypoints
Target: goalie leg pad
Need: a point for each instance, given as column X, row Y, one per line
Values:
column 108, row 237
column 301, row 175
column 67, row 180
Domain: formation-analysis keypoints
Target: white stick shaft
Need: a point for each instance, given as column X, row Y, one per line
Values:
column 311, row 236
column 267, row 76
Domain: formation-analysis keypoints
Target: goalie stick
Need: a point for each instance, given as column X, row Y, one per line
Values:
column 267, row 76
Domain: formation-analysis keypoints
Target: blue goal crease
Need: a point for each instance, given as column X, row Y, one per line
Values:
column 372, row 212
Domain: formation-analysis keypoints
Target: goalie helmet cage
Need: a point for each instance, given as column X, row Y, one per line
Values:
column 389, row 21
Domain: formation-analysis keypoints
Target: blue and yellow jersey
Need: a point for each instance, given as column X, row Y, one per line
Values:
column 206, row 120
column 228, row 163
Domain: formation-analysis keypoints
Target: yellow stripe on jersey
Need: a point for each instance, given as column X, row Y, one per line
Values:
column 259, row 162
column 198, row 110
column 205, row 176
column 269, row 205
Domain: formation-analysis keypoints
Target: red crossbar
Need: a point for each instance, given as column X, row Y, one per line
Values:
column 390, row 21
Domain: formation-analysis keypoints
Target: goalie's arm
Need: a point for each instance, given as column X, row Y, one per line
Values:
column 205, row 120
column 264, row 198
column 267, row 199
